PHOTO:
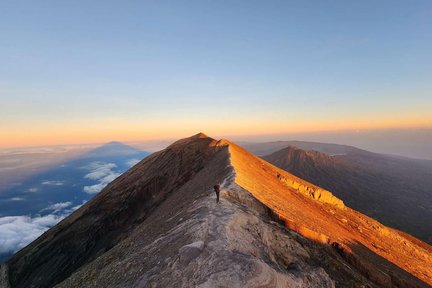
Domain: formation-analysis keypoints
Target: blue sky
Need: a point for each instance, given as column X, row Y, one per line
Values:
column 185, row 65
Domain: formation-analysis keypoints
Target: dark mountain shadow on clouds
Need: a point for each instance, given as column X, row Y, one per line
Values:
column 42, row 200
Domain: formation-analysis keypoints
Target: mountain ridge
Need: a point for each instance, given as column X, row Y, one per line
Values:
column 121, row 225
column 347, row 218
column 379, row 187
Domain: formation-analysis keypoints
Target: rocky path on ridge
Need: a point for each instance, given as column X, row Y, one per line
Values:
column 226, row 244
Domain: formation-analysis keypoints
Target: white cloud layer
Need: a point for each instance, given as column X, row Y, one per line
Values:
column 72, row 209
column 102, row 172
column 132, row 162
column 57, row 207
column 18, row 231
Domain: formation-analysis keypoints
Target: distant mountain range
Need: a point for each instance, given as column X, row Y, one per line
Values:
column 394, row 190
column 158, row 225
column 266, row 148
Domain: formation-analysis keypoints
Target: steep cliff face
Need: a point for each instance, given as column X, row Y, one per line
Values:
column 393, row 191
column 373, row 248
column 158, row 225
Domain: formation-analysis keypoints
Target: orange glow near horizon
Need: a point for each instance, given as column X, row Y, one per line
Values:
column 100, row 131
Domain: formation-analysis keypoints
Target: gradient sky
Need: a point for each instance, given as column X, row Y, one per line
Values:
column 94, row 71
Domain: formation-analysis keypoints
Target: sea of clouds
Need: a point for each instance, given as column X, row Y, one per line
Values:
column 102, row 173
column 18, row 231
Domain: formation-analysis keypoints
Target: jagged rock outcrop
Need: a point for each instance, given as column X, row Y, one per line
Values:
column 158, row 225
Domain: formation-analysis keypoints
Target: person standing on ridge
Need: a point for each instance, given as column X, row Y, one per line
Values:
column 217, row 191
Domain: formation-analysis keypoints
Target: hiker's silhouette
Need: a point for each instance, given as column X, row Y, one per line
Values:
column 217, row 191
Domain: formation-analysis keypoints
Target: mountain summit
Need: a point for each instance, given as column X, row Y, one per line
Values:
column 158, row 225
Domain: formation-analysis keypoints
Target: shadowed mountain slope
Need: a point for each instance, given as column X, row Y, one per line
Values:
column 396, row 192
column 156, row 226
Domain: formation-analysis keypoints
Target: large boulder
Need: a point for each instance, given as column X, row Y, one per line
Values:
column 189, row 252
